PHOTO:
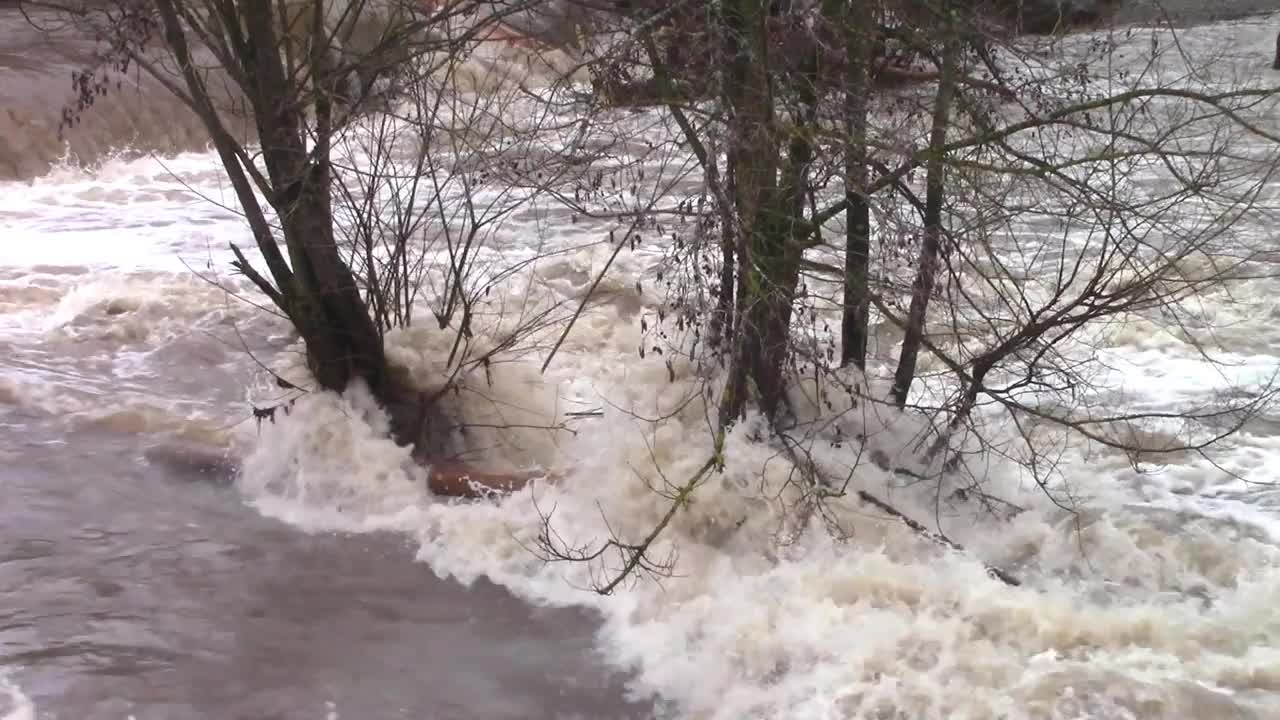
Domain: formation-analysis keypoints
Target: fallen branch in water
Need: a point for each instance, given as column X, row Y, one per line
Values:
column 817, row 480
column 935, row 536
column 633, row 557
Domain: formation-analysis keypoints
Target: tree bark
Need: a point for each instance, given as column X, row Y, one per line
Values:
column 857, row 305
column 342, row 340
column 723, row 323
column 768, row 262
column 927, row 265
column 315, row 289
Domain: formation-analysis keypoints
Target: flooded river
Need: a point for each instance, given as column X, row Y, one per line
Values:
column 142, row 578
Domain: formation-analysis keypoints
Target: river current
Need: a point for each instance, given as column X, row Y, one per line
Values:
column 140, row 579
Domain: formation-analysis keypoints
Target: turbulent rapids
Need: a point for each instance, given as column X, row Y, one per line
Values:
column 130, row 368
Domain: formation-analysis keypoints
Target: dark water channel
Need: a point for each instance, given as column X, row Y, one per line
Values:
column 131, row 590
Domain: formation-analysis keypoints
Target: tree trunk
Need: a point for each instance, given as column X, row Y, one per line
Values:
column 723, row 323
column 768, row 267
column 857, row 304
column 315, row 289
column 927, row 267
column 767, row 323
column 342, row 340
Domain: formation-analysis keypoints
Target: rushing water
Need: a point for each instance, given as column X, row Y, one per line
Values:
column 134, row 586
column 325, row 582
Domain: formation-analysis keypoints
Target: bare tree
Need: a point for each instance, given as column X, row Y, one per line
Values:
column 1004, row 198
column 1007, row 199
column 356, row 136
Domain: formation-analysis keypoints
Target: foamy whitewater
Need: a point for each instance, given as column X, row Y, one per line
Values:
column 1156, row 601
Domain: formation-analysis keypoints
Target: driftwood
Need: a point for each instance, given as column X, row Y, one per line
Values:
column 450, row 478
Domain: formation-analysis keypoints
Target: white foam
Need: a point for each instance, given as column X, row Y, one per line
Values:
column 1136, row 607
column 881, row 623
column 1141, row 623
column 13, row 703
column 1156, row 601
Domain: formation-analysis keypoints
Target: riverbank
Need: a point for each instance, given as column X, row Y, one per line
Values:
column 141, row 117
column 36, row 66
column 1192, row 12
column 125, row 590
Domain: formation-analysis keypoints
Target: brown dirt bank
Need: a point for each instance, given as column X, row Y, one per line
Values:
column 1193, row 12
column 36, row 64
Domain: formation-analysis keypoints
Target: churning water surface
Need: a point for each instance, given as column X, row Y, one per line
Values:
column 324, row 582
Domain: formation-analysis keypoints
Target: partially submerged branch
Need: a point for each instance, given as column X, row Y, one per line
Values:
column 633, row 556
column 1002, row 575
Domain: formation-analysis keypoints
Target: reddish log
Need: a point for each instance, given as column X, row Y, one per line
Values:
column 450, row 478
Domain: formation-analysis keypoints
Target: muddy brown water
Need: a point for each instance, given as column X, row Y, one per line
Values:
column 131, row 588
column 137, row 589
column 147, row 589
